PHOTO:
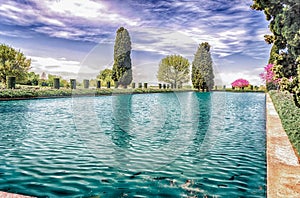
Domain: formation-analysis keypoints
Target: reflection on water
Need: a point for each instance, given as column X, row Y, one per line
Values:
column 121, row 121
column 172, row 144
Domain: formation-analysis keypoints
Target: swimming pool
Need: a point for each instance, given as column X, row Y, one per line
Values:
column 142, row 145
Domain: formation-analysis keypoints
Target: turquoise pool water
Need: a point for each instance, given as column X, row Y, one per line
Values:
column 148, row 145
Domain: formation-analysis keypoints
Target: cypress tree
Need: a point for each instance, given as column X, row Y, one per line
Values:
column 122, row 72
column 202, row 70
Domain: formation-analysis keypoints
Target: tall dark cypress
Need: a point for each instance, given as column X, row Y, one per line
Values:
column 122, row 72
column 202, row 69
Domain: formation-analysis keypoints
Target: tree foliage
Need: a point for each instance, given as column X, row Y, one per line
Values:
column 12, row 63
column 202, row 70
column 32, row 79
column 174, row 69
column 240, row 83
column 284, row 23
column 62, row 82
column 122, row 72
column 106, row 76
column 285, row 54
column 269, row 77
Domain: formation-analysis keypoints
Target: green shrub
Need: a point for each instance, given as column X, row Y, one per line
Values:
column 44, row 92
column 289, row 114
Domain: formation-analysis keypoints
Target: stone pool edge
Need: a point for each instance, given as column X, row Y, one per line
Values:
column 283, row 168
column 12, row 195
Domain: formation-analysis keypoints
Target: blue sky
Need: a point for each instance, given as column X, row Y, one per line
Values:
column 75, row 38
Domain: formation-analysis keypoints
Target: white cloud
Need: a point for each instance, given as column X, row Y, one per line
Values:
column 89, row 10
column 54, row 65
column 84, row 9
column 5, row 7
column 51, row 21
column 72, row 20
column 162, row 41
column 260, row 33
column 14, row 33
column 228, row 77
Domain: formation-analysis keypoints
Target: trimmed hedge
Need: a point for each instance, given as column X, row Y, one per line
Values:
column 240, row 90
column 289, row 114
column 42, row 93
column 36, row 92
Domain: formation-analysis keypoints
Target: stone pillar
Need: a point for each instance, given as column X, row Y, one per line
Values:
column 86, row 84
column 98, row 84
column 116, row 84
column 73, row 83
column 11, row 82
column 56, row 83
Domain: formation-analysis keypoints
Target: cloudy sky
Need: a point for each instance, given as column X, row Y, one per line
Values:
column 75, row 38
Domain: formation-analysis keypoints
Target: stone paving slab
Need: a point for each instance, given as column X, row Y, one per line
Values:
column 283, row 168
column 11, row 195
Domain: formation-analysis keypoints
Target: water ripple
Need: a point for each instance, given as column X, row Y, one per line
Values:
column 149, row 145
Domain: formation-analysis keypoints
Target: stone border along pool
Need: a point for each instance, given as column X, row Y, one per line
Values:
column 11, row 195
column 283, row 168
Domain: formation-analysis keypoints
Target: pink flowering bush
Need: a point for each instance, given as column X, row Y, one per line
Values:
column 269, row 77
column 241, row 83
column 268, row 74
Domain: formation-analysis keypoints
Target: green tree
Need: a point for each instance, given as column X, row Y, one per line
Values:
column 62, row 82
column 174, row 69
column 50, row 79
column 12, row 63
column 202, row 70
column 106, row 76
column 122, row 72
column 273, row 54
column 285, row 54
column 31, row 78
